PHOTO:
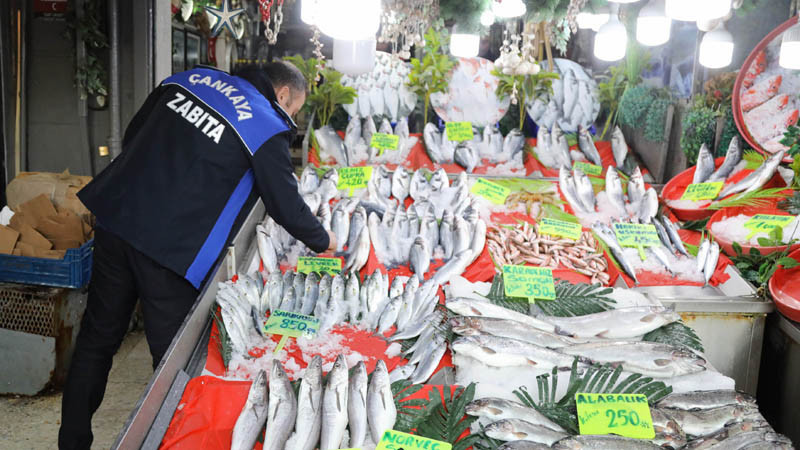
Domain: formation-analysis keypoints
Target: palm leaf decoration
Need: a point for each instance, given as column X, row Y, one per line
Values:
column 602, row 380
column 223, row 340
column 696, row 225
column 677, row 334
column 571, row 299
column 410, row 412
column 759, row 198
column 447, row 420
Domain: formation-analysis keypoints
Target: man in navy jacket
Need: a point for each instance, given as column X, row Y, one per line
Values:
column 196, row 157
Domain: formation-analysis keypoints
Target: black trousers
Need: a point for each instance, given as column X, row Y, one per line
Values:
column 120, row 276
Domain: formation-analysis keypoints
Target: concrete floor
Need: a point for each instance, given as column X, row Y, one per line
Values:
column 32, row 422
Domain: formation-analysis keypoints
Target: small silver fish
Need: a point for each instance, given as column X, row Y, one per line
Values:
column 446, row 234
column 332, row 144
column 324, row 295
column 359, row 253
column 732, row 158
column 702, row 254
column 614, row 192
column 351, row 296
column 705, row 165
column 386, row 127
column 401, row 129
column 560, row 145
column 253, row 415
column 340, row 225
column 389, row 315
column 636, row 189
column 430, row 361
column 496, row 409
column 755, row 180
column 663, row 236
column 672, row 231
column 513, row 144
column 401, row 372
column 358, row 220
column 587, row 146
column 543, row 150
column 567, row 186
column 439, row 180
column 352, row 136
column 606, row 234
column 466, row 155
column 275, row 288
column 309, row 181
column 433, row 143
column 448, row 147
column 368, row 129
column 266, row 250
column 584, row 189
column 401, row 183
column 334, row 406
column 516, row 429
column 619, row 147
column 357, row 405
column 492, row 143
column 310, row 294
column 420, row 188
column 309, row 408
column 381, row 409
column 648, row 207
column 282, row 409
column 711, row 261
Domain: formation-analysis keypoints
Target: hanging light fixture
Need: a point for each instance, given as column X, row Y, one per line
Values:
column 354, row 57
column 611, row 40
column 487, row 18
column 308, row 11
column 712, row 9
column 653, row 26
column 507, row 9
column 684, row 10
column 464, row 45
column 348, row 19
column 790, row 48
column 716, row 48
column 602, row 15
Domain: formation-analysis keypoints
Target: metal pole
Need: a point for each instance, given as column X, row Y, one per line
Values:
column 114, row 140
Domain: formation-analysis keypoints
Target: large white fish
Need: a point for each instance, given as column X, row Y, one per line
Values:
column 334, row 406
column 253, row 415
column 309, row 409
column 357, row 406
column 381, row 409
column 624, row 323
column 282, row 409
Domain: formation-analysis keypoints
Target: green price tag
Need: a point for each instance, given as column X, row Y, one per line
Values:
column 286, row 323
column 354, row 178
column 588, row 169
column 560, row 228
column 493, row 192
column 384, row 141
column 308, row 264
column 702, row 191
column 764, row 223
column 529, row 282
column 459, row 131
column 396, row 440
column 625, row 415
column 637, row 235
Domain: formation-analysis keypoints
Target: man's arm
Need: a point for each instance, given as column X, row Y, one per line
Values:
column 273, row 171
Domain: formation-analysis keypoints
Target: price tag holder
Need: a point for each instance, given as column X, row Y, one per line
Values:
column 352, row 178
column 764, row 223
column 384, row 141
column 637, row 235
column 702, row 191
column 288, row 324
column 625, row 415
column 396, row 440
column 308, row 264
column 533, row 283
column 587, row 168
column 459, row 131
column 560, row 228
column 491, row 191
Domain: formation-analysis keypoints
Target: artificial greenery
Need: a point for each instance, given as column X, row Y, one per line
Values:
column 757, row 268
column 759, row 198
column 677, row 334
column 601, row 380
column 791, row 139
column 613, row 84
column 224, row 343
column 527, row 87
column 791, row 204
column 410, row 412
column 464, row 14
column 432, row 73
column 699, row 126
column 571, row 299
column 729, row 131
column 644, row 103
column 90, row 74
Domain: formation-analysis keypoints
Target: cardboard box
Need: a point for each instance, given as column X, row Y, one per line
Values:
column 38, row 208
column 8, row 239
column 30, row 236
column 60, row 188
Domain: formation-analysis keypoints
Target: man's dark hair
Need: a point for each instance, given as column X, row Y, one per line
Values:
column 283, row 73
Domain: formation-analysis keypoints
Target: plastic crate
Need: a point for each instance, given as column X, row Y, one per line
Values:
column 73, row 271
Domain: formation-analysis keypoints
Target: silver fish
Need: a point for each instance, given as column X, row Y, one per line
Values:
column 309, row 408
column 368, row 129
column 332, row 144
column 614, row 192
column 334, row 406
column 351, row 296
column 523, row 445
column 309, row 181
column 282, row 409
column 429, row 230
column 401, row 183
column 433, row 142
column 401, row 372
column 587, row 146
column 386, row 127
column 396, row 288
column 430, row 361
column 756, row 179
column 266, row 250
column 619, row 147
column 359, row 254
column 702, row 254
column 711, row 261
column 732, row 158
column 414, row 329
column 473, row 326
column 289, row 300
column 648, row 358
column 608, row 442
column 420, row 187
column 492, row 143
column 513, row 144
column 584, row 189
column 516, row 429
column 383, row 181
column 340, row 225
column 357, row 405
column 466, row 155
column 407, row 305
column 253, row 415
column 702, row 422
column 636, row 189
column 706, row 399
column 275, row 288
column 446, row 234
column 299, row 287
column 672, row 231
column 560, row 146
column 324, row 295
column 472, row 307
column 567, row 186
column 623, row 323
column 663, row 236
column 325, row 216
column 310, row 294
column 439, row 180
column 380, row 402
column 391, row 100
column 358, row 220
column 313, row 201
column 571, row 92
column 448, row 147
column 648, row 207
column 504, row 352
column 352, row 135
column 288, row 282
column 496, row 409
column 389, row 315
column 543, row 149
column 705, row 165
column 401, row 129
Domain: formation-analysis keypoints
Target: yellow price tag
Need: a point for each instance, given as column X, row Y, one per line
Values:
column 702, row 191
column 459, row 131
column 588, row 169
column 625, row 415
column 308, row 264
column 354, row 178
column 637, row 235
column 529, row 282
column 764, row 223
column 560, row 228
column 384, row 141
column 493, row 192
column 287, row 323
column 396, row 440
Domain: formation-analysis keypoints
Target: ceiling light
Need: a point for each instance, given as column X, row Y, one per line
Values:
column 790, row 48
column 716, row 48
column 653, row 26
column 611, row 41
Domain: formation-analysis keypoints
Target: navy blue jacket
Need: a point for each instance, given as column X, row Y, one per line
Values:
column 195, row 158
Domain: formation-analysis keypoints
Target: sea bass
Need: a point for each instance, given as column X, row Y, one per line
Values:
column 332, row 144
column 560, row 146
column 606, row 234
column 357, row 405
column 381, row 409
column 732, row 158
column 587, row 146
column 253, row 415
column 584, row 189
column 401, row 183
column 334, row 406
column 466, row 155
column 614, row 192
column 757, row 179
column 619, row 147
column 309, row 408
column 282, row 409
column 433, row 142
column 705, row 165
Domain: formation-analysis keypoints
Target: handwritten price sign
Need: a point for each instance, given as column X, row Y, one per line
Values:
column 307, row 264
column 702, row 191
column 459, row 131
column 493, row 192
column 764, row 223
column 625, row 415
column 354, row 178
column 529, row 282
column 637, row 235
column 588, row 169
column 560, row 228
column 395, row 440
column 384, row 141
column 288, row 324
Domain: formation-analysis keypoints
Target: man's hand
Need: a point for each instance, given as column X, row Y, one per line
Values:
column 332, row 244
